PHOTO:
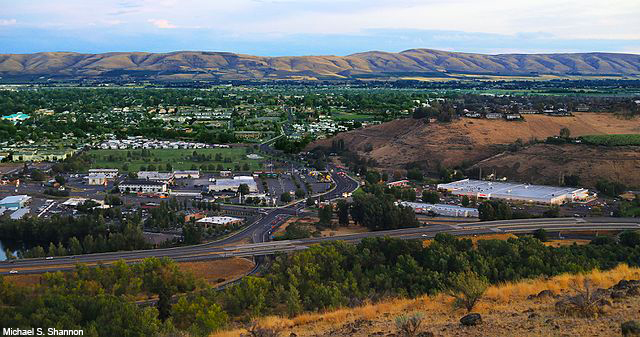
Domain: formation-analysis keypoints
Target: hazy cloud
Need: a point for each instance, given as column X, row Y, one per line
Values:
column 162, row 24
column 8, row 22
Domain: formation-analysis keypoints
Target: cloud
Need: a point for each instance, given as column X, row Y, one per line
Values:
column 8, row 22
column 162, row 24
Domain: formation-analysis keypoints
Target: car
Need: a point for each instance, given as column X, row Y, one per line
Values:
column 49, row 258
column 425, row 235
column 13, row 271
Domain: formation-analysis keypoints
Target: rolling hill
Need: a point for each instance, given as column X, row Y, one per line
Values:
column 228, row 66
column 395, row 145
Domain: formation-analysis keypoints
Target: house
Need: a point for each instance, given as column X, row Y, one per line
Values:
column 97, row 179
column 14, row 202
column 225, row 173
column 513, row 117
column 219, row 221
column 109, row 173
column 142, row 186
column 399, row 183
column 193, row 174
column 494, row 115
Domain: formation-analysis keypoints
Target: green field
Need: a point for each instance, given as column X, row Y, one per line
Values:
column 350, row 116
column 207, row 160
column 612, row 140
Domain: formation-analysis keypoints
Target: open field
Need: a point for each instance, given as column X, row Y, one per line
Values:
column 505, row 310
column 612, row 140
column 400, row 142
column 180, row 159
column 218, row 271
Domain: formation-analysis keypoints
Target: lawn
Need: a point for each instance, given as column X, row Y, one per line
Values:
column 208, row 160
column 612, row 140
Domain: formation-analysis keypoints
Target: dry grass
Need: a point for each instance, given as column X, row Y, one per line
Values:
column 218, row 271
column 560, row 243
column 24, row 280
column 503, row 303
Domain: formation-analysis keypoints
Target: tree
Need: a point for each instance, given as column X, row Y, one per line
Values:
column 325, row 214
column 431, row 197
column 565, row 133
column 343, row 212
column 60, row 180
column 169, row 167
column 465, row 201
column 300, row 193
column 285, row 197
column 630, row 238
column 541, row 235
column 243, row 190
column 37, row 175
column 294, row 304
column 467, row 288
column 198, row 316
column 75, row 247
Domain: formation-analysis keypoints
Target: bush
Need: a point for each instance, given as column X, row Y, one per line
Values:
column 409, row 325
column 586, row 303
column 467, row 288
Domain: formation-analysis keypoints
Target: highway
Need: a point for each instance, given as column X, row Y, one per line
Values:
column 226, row 248
column 259, row 232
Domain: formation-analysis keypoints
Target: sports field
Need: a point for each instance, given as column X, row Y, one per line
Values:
column 207, row 160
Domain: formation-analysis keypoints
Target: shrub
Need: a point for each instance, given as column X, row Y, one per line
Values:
column 408, row 325
column 586, row 303
column 467, row 288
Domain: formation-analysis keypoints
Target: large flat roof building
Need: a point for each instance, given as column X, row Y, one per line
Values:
column 14, row 202
column 515, row 191
column 442, row 209
column 142, row 186
column 166, row 177
column 219, row 221
column 109, row 173
column 233, row 184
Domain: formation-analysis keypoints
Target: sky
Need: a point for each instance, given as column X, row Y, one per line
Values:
column 319, row 27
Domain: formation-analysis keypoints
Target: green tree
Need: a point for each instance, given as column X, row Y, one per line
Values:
column 431, row 197
column 198, row 316
column 75, row 247
column 285, row 197
column 343, row 212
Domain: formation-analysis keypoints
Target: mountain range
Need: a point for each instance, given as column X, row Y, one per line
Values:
column 374, row 64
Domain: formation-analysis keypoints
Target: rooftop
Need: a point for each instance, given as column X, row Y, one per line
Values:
column 509, row 189
column 12, row 199
column 218, row 220
column 142, row 182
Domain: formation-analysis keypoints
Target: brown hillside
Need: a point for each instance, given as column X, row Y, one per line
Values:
column 221, row 65
column 505, row 311
column 543, row 164
column 405, row 141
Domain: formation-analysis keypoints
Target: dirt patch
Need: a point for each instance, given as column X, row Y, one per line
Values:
column 218, row 271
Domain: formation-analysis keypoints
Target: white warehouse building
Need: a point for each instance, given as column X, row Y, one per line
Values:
column 142, row 186
column 442, row 209
column 540, row 194
column 220, row 185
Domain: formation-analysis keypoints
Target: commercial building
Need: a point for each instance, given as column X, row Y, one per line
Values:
column 14, row 202
column 194, row 174
column 233, row 184
column 540, row 194
column 142, row 186
column 109, row 173
column 219, row 221
column 442, row 209
column 165, row 177
column 19, row 214
column 97, row 179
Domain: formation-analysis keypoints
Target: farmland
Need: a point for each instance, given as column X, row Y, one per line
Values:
column 612, row 140
column 176, row 159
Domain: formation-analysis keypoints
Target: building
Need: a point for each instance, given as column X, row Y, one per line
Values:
column 540, row 194
column 109, row 173
column 194, row 174
column 219, row 221
column 142, row 186
column 233, row 184
column 442, row 209
column 15, row 118
column 165, row 177
column 97, row 179
column 398, row 183
column 19, row 214
column 14, row 202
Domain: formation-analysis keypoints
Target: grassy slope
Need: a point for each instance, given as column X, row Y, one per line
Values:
column 503, row 310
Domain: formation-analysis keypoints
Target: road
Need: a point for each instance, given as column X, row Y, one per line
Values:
column 216, row 250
